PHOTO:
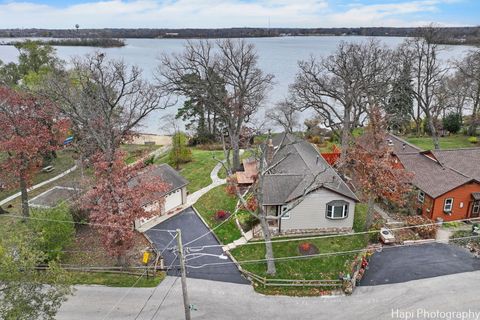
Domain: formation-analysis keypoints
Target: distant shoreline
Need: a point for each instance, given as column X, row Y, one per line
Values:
column 76, row 42
column 96, row 37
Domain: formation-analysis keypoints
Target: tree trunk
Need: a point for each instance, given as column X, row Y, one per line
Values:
column 472, row 129
column 122, row 260
column 370, row 213
column 235, row 142
column 24, row 192
column 434, row 133
column 345, row 135
column 271, row 269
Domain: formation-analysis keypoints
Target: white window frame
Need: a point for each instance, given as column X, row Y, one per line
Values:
column 421, row 196
column 476, row 207
column 448, row 205
column 330, row 214
column 285, row 216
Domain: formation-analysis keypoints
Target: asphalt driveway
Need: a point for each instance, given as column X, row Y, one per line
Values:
column 401, row 264
column 192, row 228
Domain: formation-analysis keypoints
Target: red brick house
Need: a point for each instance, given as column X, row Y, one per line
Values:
column 448, row 181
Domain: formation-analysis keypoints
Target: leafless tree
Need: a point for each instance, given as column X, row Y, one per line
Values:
column 105, row 100
column 469, row 71
column 236, row 85
column 269, row 157
column 284, row 114
column 344, row 86
column 427, row 73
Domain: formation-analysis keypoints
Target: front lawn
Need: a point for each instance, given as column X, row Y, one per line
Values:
column 326, row 267
column 197, row 171
column 213, row 201
column 116, row 279
column 63, row 162
column 450, row 142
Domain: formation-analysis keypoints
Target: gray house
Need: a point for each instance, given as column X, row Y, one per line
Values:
column 303, row 191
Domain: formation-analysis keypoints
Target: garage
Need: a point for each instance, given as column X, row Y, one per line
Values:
column 173, row 200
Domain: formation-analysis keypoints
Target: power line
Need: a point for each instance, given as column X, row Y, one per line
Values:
column 154, row 290
column 323, row 254
column 74, row 222
column 326, row 236
column 163, row 300
column 124, row 296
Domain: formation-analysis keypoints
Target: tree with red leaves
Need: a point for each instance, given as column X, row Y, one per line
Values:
column 373, row 169
column 28, row 125
column 119, row 198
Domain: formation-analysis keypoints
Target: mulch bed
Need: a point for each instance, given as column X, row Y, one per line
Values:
column 87, row 250
column 307, row 248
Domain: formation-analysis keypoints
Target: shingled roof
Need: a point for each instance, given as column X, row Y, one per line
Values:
column 465, row 160
column 438, row 171
column 430, row 176
column 300, row 165
column 167, row 174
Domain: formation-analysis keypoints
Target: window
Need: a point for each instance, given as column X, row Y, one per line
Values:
column 337, row 210
column 284, row 213
column 421, row 196
column 448, row 205
column 476, row 207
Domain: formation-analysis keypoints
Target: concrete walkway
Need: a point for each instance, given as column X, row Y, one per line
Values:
column 41, row 184
column 216, row 181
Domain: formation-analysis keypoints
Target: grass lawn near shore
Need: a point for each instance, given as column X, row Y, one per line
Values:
column 197, row 171
column 326, row 267
column 137, row 151
column 449, row 142
column 214, row 200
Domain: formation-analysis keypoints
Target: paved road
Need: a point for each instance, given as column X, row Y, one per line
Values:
column 225, row 301
column 394, row 265
column 192, row 227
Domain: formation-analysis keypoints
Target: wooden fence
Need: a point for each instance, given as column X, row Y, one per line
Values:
column 292, row 282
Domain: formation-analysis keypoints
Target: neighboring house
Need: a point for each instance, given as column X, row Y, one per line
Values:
column 173, row 197
column 304, row 191
column 448, row 181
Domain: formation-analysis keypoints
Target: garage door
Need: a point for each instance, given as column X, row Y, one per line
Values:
column 173, row 200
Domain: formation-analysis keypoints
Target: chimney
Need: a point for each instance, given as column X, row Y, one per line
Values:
column 270, row 150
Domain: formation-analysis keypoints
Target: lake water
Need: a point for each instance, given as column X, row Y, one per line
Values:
column 278, row 56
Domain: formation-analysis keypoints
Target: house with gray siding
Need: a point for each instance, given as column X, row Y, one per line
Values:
column 303, row 192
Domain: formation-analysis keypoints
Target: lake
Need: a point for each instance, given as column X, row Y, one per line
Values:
column 278, row 56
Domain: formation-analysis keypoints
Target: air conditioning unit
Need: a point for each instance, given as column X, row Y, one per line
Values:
column 387, row 236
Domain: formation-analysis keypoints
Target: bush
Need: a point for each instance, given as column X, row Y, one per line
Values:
column 473, row 140
column 222, row 215
column 452, row 122
column 180, row 153
column 52, row 236
column 248, row 221
column 425, row 232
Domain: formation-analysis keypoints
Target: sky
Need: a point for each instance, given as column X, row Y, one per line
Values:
column 236, row 13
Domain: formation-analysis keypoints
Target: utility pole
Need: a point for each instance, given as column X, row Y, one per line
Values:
column 186, row 302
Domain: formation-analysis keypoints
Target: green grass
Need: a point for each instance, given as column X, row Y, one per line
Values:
column 450, row 142
column 214, row 200
column 115, row 279
column 327, row 267
column 63, row 162
column 137, row 151
column 197, row 171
